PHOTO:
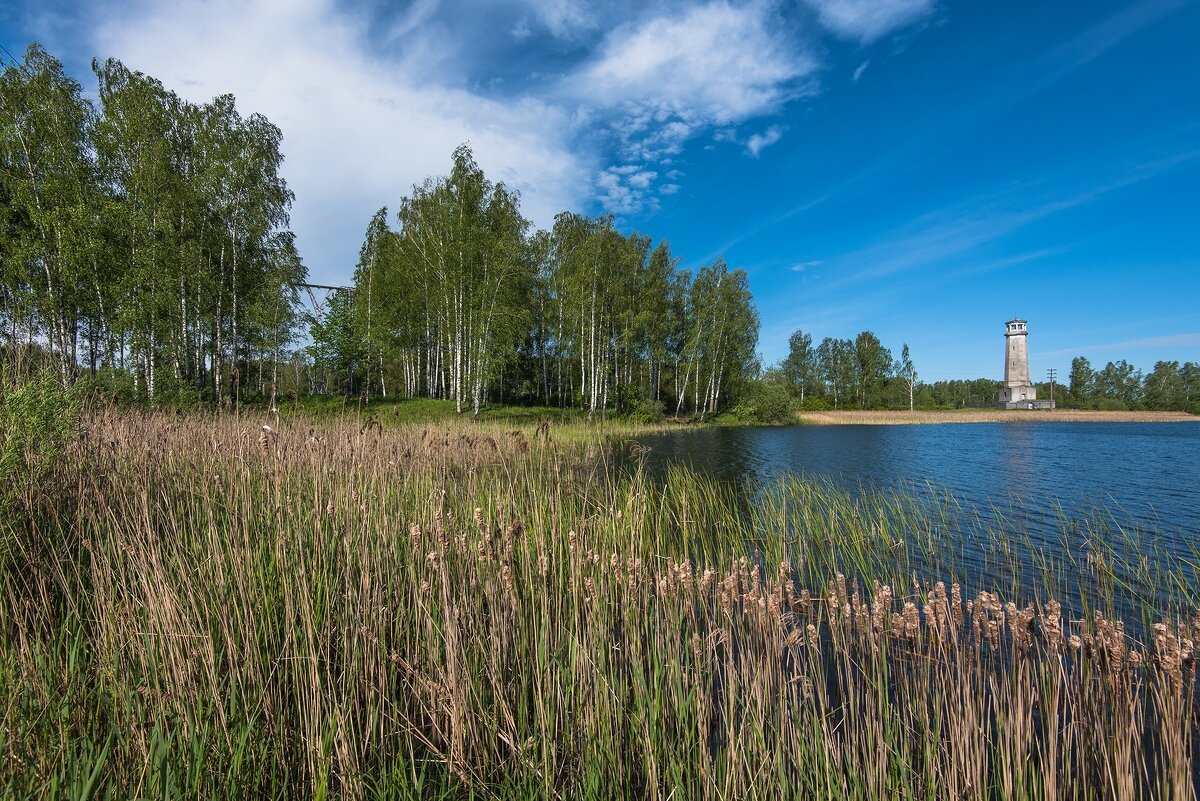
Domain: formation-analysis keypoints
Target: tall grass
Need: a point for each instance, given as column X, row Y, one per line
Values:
column 202, row 607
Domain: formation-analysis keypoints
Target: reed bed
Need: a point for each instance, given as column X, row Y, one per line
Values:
column 204, row 607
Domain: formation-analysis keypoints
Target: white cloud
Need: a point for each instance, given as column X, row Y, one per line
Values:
column 365, row 115
column 414, row 17
column 860, row 70
column 623, row 189
column 520, row 32
column 1187, row 340
column 800, row 267
column 664, row 79
column 358, row 131
column 565, row 18
column 641, row 179
column 757, row 142
column 868, row 20
column 713, row 63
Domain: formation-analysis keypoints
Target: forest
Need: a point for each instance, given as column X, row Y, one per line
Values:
column 462, row 302
column 145, row 246
column 143, row 239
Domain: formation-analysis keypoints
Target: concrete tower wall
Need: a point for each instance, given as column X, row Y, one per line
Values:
column 1016, row 365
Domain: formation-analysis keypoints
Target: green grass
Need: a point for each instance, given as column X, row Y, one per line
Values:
column 403, row 411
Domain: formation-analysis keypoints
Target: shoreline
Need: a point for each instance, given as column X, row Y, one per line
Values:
column 904, row 417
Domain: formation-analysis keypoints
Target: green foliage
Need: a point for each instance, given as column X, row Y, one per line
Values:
column 645, row 410
column 453, row 285
column 37, row 420
column 119, row 388
column 144, row 234
column 800, row 367
column 1120, row 381
column 1105, row 404
column 977, row 393
column 461, row 303
column 764, row 404
column 874, row 363
column 1170, row 386
column 115, row 387
column 924, row 399
column 907, row 371
column 1082, row 381
column 339, row 349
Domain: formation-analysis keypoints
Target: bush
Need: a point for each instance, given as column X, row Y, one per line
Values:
column 118, row 388
column 815, row 403
column 37, row 420
column 110, row 386
column 645, row 410
column 764, row 404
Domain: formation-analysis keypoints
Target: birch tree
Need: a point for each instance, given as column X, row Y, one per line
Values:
column 47, row 178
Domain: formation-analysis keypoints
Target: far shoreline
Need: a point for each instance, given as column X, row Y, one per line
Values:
column 904, row 417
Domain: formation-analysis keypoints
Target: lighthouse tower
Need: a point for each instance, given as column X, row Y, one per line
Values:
column 1017, row 392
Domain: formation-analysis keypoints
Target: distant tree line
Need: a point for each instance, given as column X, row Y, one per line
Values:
column 861, row 373
column 1170, row 386
column 462, row 301
column 143, row 240
column 857, row 373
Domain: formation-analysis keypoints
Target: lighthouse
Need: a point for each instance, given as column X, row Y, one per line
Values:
column 1018, row 392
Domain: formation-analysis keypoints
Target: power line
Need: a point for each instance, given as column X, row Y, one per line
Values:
column 16, row 61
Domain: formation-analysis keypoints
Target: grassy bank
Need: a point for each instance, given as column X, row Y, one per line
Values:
column 201, row 607
column 855, row 417
column 400, row 412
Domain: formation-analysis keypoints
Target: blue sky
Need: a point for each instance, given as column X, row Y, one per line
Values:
column 925, row 170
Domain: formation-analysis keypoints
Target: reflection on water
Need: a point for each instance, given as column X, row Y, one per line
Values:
column 1146, row 475
column 1067, row 490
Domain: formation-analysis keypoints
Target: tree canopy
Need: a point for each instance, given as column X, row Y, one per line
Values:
column 146, row 235
column 461, row 300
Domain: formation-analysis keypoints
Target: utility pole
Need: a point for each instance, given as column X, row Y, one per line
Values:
column 1050, row 373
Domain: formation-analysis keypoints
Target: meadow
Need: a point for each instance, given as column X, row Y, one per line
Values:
column 213, row 606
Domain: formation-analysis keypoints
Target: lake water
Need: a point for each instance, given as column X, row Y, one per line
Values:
column 1032, row 479
column 1145, row 474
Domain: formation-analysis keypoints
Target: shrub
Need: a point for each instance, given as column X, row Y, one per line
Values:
column 118, row 388
column 815, row 403
column 37, row 420
column 645, row 410
column 764, row 404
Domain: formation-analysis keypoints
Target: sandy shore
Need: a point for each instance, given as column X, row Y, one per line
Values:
column 991, row 416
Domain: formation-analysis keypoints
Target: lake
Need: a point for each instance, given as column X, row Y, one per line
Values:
column 1035, row 480
column 1146, row 474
